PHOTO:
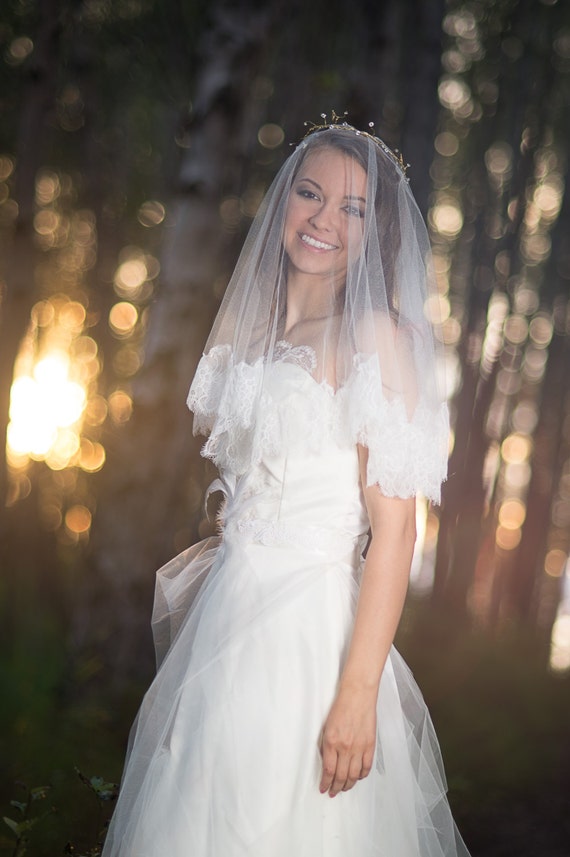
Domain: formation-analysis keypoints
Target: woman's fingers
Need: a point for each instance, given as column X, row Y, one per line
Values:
column 340, row 777
column 341, row 770
column 329, row 756
column 354, row 773
column 347, row 742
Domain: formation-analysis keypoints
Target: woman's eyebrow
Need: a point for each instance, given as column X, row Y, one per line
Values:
column 317, row 185
column 304, row 179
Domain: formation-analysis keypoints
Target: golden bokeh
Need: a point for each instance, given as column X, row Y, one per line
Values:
column 446, row 144
column 43, row 313
column 555, row 562
column 560, row 644
column 498, row 160
column 454, row 93
column 516, row 329
column 48, row 187
column 517, row 475
column 507, row 539
column 78, row 520
column 437, row 309
column 120, row 407
column 127, row 361
column 51, row 516
column 63, row 450
column 131, row 275
column 548, row 198
column 6, row 167
column 541, row 330
column 92, row 455
column 525, row 417
column 42, row 406
column 446, row 218
column 72, row 316
column 96, row 411
column 123, row 318
column 512, row 513
column 516, row 448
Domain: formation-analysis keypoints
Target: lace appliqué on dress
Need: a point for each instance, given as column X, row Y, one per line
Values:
column 274, row 533
column 253, row 410
column 301, row 355
column 406, row 455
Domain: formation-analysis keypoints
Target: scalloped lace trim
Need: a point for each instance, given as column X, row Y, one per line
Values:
column 245, row 422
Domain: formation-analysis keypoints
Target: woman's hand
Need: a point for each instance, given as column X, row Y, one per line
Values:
column 348, row 740
column 349, row 735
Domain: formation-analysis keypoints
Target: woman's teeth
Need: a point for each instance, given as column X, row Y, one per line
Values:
column 320, row 245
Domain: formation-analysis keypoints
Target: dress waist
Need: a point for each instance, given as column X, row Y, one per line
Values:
column 291, row 534
column 252, row 517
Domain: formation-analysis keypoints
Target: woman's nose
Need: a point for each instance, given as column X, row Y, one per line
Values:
column 322, row 218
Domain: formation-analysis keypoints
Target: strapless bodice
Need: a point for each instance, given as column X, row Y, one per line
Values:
column 307, row 491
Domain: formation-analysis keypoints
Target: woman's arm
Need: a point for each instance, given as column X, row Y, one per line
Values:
column 349, row 734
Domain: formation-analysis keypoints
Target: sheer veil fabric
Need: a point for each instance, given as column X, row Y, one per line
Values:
column 366, row 336
column 321, row 344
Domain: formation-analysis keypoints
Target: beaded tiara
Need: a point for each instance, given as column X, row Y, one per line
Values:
column 337, row 123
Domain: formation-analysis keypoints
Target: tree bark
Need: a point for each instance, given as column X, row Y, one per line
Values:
column 152, row 485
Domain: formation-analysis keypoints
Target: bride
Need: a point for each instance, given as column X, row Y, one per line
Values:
column 282, row 722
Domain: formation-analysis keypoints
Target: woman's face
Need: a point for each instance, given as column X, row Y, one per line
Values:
column 325, row 213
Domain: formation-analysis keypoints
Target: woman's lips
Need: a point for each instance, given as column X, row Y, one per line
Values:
column 314, row 242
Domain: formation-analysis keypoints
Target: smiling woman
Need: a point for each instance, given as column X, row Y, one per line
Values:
column 323, row 216
column 278, row 687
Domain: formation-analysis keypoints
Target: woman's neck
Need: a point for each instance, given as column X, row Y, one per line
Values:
column 311, row 298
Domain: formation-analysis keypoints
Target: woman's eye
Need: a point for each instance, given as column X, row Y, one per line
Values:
column 307, row 194
column 354, row 211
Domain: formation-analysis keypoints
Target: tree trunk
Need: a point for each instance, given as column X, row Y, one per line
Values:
column 152, row 486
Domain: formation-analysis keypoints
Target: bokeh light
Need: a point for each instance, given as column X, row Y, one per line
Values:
column 446, row 218
column 78, row 520
column 44, row 406
column 123, row 318
column 271, row 136
column 560, row 644
column 120, row 406
column 516, row 448
column 151, row 213
column 508, row 538
column 130, row 276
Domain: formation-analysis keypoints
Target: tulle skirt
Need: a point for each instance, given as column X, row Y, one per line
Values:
column 224, row 759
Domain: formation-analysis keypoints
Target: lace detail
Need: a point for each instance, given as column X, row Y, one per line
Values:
column 207, row 387
column 256, row 410
column 273, row 533
column 405, row 456
column 301, row 355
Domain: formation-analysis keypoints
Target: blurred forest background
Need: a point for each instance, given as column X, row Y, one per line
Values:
column 137, row 138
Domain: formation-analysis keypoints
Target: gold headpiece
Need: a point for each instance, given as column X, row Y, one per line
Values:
column 337, row 123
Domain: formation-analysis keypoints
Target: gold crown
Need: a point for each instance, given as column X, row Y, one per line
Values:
column 338, row 123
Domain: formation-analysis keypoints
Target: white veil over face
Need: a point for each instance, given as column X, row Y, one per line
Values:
column 335, row 276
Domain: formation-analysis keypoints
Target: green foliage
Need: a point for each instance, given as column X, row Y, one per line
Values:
column 21, row 827
column 102, row 790
column 26, row 821
column 58, row 717
column 104, row 793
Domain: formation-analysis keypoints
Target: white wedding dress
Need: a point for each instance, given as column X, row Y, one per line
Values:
column 253, row 626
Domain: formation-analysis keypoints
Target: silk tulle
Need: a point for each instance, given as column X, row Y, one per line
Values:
column 251, row 631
